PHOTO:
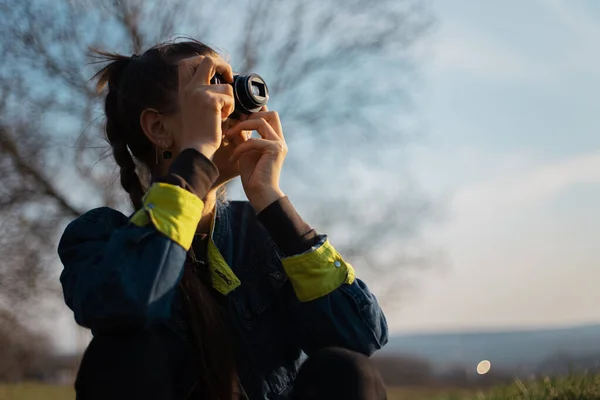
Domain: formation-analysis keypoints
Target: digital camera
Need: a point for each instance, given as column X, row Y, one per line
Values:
column 249, row 90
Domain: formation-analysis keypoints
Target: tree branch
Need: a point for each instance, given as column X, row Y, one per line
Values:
column 9, row 146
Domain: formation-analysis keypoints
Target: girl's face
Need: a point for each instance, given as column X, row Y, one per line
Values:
column 227, row 170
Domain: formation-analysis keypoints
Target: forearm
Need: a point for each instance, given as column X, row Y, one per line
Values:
column 122, row 273
column 330, row 307
column 348, row 317
column 192, row 171
column 289, row 231
column 125, row 282
column 173, row 203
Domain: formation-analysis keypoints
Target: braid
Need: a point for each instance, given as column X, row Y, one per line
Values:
column 116, row 129
column 116, row 137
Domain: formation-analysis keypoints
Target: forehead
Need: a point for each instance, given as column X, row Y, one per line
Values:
column 217, row 56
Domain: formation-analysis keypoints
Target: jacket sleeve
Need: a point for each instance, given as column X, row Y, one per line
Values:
column 121, row 273
column 331, row 306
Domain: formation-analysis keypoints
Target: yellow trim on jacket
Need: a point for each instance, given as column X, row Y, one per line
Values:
column 173, row 211
column 317, row 273
column 223, row 278
column 176, row 212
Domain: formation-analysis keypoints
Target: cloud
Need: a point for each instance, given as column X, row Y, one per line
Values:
column 526, row 187
column 507, row 248
column 577, row 17
column 470, row 50
column 569, row 47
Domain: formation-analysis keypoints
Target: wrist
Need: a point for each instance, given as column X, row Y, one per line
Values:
column 261, row 199
column 287, row 229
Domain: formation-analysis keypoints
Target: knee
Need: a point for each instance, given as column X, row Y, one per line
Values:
column 124, row 366
column 338, row 373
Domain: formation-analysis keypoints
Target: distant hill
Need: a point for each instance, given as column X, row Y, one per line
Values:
column 512, row 350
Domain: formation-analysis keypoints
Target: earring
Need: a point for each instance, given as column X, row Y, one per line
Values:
column 165, row 153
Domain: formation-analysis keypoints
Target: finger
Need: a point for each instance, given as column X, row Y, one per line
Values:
column 208, row 67
column 237, row 138
column 185, row 70
column 241, row 137
column 272, row 118
column 223, row 89
column 252, row 144
column 257, row 124
column 225, row 101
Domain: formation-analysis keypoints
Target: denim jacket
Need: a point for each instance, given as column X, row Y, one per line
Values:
column 122, row 274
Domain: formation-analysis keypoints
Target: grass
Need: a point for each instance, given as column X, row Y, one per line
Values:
column 35, row 391
column 581, row 387
column 420, row 393
column 577, row 387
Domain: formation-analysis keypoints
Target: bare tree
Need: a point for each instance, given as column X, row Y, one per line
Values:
column 337, row 71
column 22, row 350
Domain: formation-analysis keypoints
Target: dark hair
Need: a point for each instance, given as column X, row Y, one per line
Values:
column 150, row 81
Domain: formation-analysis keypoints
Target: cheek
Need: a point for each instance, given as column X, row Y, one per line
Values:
column 228, row 123
column 227, row 170
column 172, row 124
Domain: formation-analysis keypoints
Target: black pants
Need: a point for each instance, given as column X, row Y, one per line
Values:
column 336, row 373
column 136, row 367
column 133, row 366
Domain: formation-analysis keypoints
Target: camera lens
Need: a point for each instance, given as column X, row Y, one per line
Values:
column 251, row 93
column 249, row 90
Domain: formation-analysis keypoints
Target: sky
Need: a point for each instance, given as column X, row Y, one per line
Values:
column 508, row 103
column 510, row 109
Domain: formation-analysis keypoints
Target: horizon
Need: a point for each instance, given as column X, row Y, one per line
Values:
column 511, row 330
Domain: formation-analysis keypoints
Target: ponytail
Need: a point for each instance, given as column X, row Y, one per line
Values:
column 115, row 131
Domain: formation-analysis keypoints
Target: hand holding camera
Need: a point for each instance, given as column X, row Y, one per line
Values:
column 203, row 105
column 209, row 93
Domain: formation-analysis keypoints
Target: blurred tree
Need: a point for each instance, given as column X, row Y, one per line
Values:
column 404, row 370
column 22, row 351
column 337, row 71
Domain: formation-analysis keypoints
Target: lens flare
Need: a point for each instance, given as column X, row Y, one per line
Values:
column 484, row 367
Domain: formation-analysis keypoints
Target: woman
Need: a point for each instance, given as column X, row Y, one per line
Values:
column 191, row 297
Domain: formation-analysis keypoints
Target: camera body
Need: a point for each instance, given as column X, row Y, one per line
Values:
column 249, row 90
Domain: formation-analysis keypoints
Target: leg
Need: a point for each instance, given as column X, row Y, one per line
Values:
column 336, row 373
column 132, row 366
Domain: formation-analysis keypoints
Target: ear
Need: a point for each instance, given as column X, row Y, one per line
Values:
column 153, row 126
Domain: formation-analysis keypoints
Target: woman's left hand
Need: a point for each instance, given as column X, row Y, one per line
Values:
column 261, row 159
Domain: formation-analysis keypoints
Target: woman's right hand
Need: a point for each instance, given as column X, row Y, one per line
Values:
column 203, row 105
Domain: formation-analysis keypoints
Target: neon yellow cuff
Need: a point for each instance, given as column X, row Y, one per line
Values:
column 223, row 278
column 318, row 273
column 173, row 211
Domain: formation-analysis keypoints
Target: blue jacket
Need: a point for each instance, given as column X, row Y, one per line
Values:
column 122, row 274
